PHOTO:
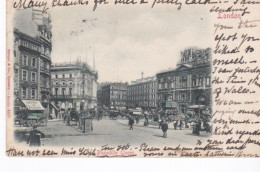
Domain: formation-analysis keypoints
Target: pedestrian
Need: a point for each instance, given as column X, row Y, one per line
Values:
column 164, row 126
column 175, row 124
column 34, row 138
column 137, row 119
column 160, row 123
column 68, row 118
column 56, row 114
column 186, row 123
column 181, row 123
column 198, row 127
column 131, row 123
column 146, row 123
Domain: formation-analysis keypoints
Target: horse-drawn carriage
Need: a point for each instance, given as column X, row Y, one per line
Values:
column 72, row 116
column 113, row 114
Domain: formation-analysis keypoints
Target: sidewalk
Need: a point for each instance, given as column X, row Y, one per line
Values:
column 53, row 120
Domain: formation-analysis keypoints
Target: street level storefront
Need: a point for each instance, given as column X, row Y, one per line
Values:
column 30, row 113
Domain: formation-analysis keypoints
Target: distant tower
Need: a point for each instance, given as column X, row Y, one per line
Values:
column 142, row 75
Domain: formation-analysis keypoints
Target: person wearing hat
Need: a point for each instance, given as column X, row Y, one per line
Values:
column 131, row 123
column 164, row 127
column 34, row 138
column 181, row 124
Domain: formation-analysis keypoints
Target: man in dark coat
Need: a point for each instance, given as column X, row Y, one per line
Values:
column 137, row 119
column 181, row 124
column 198, row 127
column 164, row 127
column 131, row 123
column 34, row 138
column 175, row 124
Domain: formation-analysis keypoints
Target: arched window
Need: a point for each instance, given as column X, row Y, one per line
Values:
column 63, row 83
column 56, row 83
column 70, row 83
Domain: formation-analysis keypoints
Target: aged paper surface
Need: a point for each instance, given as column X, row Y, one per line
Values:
column 133, row 78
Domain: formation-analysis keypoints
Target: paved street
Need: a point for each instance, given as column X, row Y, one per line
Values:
column 114, row 132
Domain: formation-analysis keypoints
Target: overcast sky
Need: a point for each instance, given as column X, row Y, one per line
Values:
column 127, row 41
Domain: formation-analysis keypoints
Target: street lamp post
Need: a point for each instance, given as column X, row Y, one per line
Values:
column 201, row 99
column 83, row 85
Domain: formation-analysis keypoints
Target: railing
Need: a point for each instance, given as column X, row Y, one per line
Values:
column 45, row 71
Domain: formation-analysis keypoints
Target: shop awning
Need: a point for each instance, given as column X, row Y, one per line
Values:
column 137, row 113
column 196, row 106
column 53, row 105
column 33, row 105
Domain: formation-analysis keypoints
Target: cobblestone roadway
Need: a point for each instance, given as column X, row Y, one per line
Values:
column 115, row 132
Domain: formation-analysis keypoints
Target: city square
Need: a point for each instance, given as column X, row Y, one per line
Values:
column 64, row 103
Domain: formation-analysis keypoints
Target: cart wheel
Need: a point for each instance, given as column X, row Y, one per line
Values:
column 31, row 123
column 43, row 122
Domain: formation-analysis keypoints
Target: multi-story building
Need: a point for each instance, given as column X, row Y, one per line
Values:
column 188, row 84
column 74, row 85
column 32, row 57
column 142, row 93
column 112, row 95
column 100, row 97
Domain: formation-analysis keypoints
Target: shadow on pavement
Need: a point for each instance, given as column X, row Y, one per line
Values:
column 158, row 135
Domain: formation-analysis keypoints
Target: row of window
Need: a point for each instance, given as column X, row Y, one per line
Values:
column 68, row 92
column 63, row 83
column 181, row 78
column 31, row 46
column 44, row 81
column 63, row 76
column 117, row 103
column 179, row 96
column 141, row 92
column 142, row 97
column 118, row 95
column 183, row 83
column 136, row 87
column 43, row 50
column 63, row 91
column 25, row 76
column 25, row 62
column 25, row 92
column 118, row 87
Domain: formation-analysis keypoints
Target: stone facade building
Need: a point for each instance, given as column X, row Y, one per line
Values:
column 142, row 93
column 32, row 57
column 74, row 85
column 188, row 84
column 112, row 95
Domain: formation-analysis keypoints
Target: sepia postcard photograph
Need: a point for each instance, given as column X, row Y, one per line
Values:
column 132, row 78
